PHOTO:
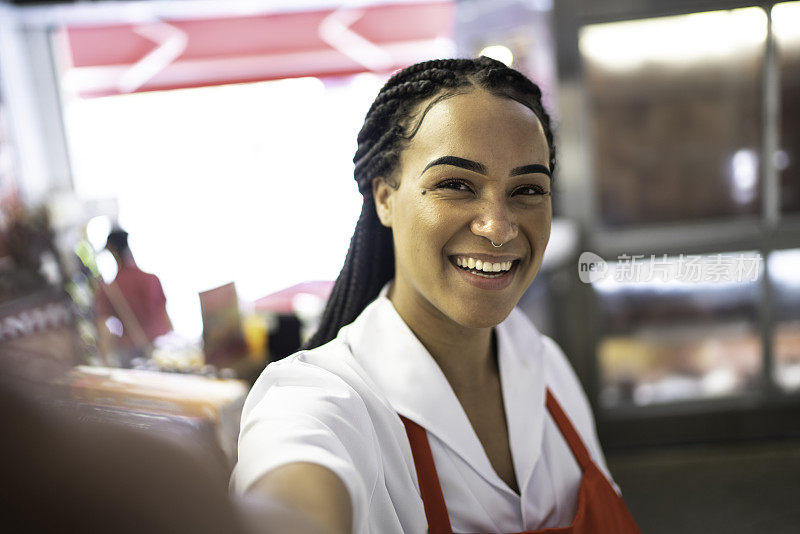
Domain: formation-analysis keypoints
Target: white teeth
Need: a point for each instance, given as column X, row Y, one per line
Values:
column 485, row 266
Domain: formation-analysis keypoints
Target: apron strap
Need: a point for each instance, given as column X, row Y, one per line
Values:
column 568, row 431
column 429, row 487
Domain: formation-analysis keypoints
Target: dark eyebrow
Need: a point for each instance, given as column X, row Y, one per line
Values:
column 457, row 162
column 474, row 166
column 530, row 169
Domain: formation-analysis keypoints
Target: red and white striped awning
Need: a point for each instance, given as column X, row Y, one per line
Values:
column 171, row 54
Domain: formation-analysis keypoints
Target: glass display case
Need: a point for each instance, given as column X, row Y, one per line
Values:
column 786, row 28
column 676, row 122
column 784, row 269
column 678, row 327
column 694, row 148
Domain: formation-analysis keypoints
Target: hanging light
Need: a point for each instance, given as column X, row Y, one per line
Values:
column 500, row 53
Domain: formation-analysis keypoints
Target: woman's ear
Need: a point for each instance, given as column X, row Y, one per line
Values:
column 382, row 194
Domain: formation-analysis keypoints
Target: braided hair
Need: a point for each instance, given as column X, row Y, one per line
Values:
column 387, row 129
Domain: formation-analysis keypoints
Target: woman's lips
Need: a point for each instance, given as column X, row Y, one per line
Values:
column 489, row 280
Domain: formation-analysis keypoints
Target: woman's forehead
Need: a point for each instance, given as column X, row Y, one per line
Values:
column 480, row 124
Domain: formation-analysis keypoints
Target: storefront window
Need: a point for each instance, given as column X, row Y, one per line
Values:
column 784, row 269
column 209, row 180
column 786, row 26
column 678, row 328
column 676, row 116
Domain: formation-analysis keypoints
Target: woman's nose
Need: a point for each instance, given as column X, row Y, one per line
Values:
column 495, row 223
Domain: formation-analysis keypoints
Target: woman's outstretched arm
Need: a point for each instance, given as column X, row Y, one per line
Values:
column 311, row 491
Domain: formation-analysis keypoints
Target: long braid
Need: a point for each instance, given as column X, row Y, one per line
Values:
column 369, row 263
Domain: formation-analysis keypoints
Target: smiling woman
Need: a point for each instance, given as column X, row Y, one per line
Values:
column 479, row 158
column 426, row 401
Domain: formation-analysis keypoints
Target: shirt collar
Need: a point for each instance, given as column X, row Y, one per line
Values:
column 416, row 388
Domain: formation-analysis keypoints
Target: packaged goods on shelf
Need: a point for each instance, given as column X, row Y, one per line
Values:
column 153, row 398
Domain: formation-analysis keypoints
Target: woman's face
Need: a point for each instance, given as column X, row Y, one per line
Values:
column 472, row 174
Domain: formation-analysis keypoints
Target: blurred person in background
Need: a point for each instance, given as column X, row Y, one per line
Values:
column 426, row 402
column 136, row 300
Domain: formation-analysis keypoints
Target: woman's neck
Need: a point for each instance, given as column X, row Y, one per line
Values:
column 465, row 355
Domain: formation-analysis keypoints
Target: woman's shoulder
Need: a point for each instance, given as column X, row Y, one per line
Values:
column 309, row 407
column 327, row 378
column 328, row 367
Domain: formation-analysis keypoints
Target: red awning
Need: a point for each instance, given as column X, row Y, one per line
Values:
column 283, row 301
column 171, row 54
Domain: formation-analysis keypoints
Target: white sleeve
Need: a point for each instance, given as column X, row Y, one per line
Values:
column 298, row 412
column 576, row 404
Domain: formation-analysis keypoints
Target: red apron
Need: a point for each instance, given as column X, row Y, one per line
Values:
column 600, row 509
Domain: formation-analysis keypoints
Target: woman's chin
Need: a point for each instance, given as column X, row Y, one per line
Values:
column 480, row 318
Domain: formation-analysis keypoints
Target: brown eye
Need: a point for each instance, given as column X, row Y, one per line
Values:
column 530, row 190
column 455, row 185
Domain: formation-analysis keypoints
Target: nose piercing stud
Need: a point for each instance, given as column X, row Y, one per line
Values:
column 496, row 246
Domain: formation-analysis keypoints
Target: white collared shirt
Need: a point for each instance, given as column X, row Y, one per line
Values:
column 337, row 406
